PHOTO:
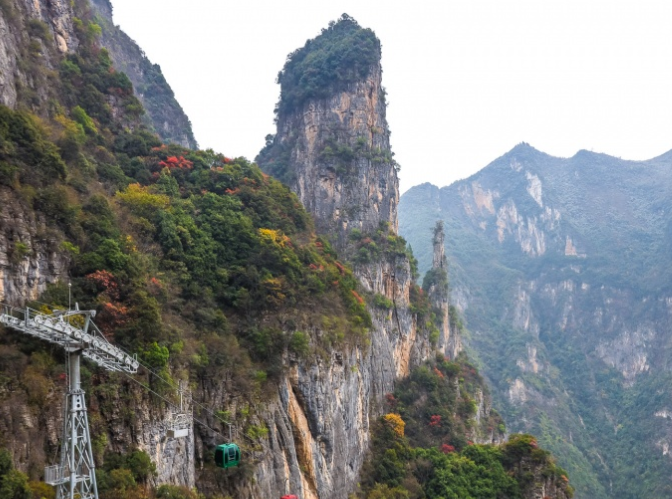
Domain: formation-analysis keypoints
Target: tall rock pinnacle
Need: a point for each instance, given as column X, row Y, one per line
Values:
column 332, row 147
column 333, row 144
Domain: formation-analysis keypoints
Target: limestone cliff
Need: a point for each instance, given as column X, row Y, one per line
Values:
column 339, row 160
column 561, row 267
column 334, row 152
column 35, row 36
column 164, row 113
column 30, row 252
column 49, row 26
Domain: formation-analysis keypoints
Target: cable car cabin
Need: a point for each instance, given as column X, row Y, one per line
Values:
column 289, row 497
column 227, row 455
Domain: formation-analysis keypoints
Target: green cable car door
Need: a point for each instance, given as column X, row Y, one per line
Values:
column 227, row 455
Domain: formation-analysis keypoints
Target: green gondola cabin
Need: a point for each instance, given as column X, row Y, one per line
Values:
column 227, row 455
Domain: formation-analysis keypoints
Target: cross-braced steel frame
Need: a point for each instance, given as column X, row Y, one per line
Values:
column 75, row 476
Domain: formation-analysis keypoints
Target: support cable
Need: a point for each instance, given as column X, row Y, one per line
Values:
column 175, row 406
column 175, row 387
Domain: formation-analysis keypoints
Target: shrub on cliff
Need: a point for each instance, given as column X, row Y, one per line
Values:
column 343, row 53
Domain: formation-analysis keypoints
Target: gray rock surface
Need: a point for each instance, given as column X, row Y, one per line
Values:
column 319, row 428
column 30, row 256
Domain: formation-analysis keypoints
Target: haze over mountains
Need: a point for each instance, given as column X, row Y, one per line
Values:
column 562, row 269
column 289, row 317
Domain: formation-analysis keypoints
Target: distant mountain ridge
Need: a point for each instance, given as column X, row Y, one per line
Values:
column 164, row 114
column 562, row 268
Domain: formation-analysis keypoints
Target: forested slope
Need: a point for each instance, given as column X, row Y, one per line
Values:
column 214, row 274
column 561, row 268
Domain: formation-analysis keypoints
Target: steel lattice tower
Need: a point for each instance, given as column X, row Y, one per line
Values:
column 75, row 476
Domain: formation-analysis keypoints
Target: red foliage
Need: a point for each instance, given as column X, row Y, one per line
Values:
column 435, row 420
column 469, row 442
column 447, row 449
column 438, row 373
column 391, row 401
column 341, row 268
column 106, row 281
column 175, row 162
column 359, row 298
column 112, row 316
column 155, row 286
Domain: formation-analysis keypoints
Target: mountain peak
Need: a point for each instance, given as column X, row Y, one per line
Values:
column 524, row 148
column 342, row 54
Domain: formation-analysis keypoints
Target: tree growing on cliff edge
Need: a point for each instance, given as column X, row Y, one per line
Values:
column 342, row 54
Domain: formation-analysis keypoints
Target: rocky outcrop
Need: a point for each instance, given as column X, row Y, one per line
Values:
column 438, row 295
column 39, row 32
column 121, row 422
column 338, row 161
column 19, row 79
column 541, row 485
column 164, row 113
column 30, row 252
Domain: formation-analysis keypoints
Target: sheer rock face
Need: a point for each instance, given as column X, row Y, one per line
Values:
column 341, row 168
column 36, row 427
column 29, row 252
column 342, row 194
column 438, row 295
column 164, row 113
column 57, row 15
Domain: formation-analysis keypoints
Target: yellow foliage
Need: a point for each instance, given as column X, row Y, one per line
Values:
column 130, row 244
column 274, row 287
column 274, row 237
column 395, row 423
column 141, row 200
column 71, row 128
column 42, row 490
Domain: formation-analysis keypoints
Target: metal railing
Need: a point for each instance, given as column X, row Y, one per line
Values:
column 60, row 328
column 54, row 475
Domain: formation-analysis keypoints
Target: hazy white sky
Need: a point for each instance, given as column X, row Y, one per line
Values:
column 467, row 79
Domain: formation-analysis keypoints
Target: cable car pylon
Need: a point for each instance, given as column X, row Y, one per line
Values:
column 75, row 476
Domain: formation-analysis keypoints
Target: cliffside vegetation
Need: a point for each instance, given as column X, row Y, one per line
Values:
column 202, row 264
column 212, row 272
column 344, row 53
column 424, row 447
column 164, row 115
column 573, row 339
